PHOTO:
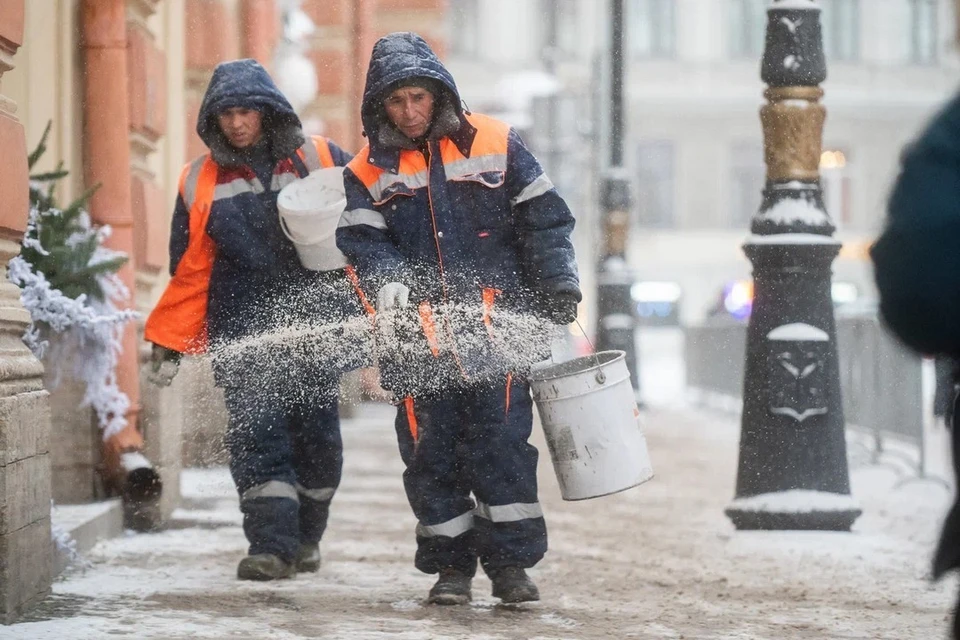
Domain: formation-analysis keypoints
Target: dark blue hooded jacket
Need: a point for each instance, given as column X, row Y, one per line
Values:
column 916, row 259
column 917, row 268
column 468, row 208
column 254, row 280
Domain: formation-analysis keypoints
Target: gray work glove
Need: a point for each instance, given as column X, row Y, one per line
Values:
column 392, row 295
column 164, row 364
column 559, row 309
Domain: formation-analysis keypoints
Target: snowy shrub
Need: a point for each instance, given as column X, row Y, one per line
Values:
column 70, row 288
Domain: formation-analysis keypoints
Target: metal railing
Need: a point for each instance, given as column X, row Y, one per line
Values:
column 881, row 381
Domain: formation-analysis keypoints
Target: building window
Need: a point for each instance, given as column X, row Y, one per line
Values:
column 840, row 22
column 748, row 176
column 655, row 184
column 923, row 31
column 566, row 20
column 747, row 28
column 651, row 28
column 464, row 17
column 835, row 183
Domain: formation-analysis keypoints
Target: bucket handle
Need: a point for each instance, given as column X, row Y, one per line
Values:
column 601, row 377
column 286, row 231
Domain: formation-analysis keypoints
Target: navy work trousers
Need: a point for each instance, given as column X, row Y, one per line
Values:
column 286, row 457
column 473, row 440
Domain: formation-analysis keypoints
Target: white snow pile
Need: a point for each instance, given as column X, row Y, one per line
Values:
column 77, row 336
column 796, row 501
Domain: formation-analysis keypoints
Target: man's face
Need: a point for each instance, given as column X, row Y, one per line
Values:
column 243, row 127
column 410, row 109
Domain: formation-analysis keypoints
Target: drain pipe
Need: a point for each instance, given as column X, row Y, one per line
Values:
column 106, row 145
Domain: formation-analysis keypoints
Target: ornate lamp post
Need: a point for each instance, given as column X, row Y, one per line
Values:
column 793, row 464
column 616, row 323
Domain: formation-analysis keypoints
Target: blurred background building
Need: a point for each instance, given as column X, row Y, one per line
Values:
column 694, row 145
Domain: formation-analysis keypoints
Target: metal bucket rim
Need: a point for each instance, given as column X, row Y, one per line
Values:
column 556, row 370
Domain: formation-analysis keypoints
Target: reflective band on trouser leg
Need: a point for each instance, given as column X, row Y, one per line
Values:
column 411, row 417
column 270, row 519
column 509, row 512
column 271, row 489
column 323, row 494
column 538, row 187
column 449, row 529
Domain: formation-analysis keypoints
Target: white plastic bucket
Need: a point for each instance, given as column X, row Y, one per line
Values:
column 310, row 210
column 592, row 425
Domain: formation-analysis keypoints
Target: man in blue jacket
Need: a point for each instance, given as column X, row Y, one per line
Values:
column 917, row 268
column 235, row 276
column 448, row 208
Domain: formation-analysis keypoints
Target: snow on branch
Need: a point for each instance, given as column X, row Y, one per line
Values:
column 77, row 336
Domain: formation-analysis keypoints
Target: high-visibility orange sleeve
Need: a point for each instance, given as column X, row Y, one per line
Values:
column 179, row 321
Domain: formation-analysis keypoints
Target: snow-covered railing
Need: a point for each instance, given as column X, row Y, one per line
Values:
column 880, row 379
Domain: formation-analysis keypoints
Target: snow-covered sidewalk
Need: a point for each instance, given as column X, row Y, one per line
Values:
column 658, row 561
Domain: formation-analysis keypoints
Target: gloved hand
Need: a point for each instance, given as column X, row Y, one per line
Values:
column 560, row 309
column 392, row 295
column 164, row 364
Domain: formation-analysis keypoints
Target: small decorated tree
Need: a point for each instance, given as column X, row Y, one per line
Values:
column 70, row 287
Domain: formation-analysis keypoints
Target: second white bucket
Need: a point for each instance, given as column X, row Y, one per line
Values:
column 310, row 210
column 592, row 425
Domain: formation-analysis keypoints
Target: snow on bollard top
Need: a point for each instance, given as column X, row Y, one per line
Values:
column 798, row 331
column 804, row 5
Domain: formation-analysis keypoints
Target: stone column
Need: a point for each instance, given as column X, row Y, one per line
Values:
column 160, row 411
column 25, row 547
column 260, row 29
column 203, row 54
column 107, row 162
column 340, row 50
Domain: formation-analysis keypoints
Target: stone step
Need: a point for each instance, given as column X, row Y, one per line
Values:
column 87, row 524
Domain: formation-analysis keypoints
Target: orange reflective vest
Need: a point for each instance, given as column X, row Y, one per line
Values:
column 179, row 320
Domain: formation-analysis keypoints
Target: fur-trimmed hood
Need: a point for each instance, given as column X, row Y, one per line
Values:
column 245, row 83
column 396, row 59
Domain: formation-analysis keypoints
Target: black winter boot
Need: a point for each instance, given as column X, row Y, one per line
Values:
column 513, row 585
column 308, row 557
column 452, row 587
column 265, row 566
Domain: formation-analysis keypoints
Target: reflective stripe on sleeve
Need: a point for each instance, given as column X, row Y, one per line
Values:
column 323, row 494
column 449, row 529
column 536, row 188
column 509, row 512
column 235, row 188
column 190, row 184
column 368, row 217
column 280, row 180
column 271, row 489
column 416, row 180
column 310, row 156
column 477, row 164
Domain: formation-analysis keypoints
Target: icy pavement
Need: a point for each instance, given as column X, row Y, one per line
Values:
column 659, row 561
